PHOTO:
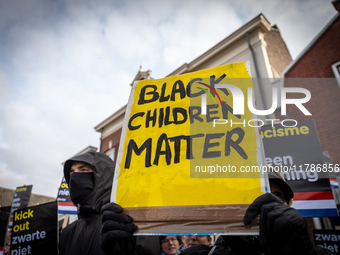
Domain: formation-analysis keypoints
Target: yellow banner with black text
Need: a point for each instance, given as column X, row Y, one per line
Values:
column 183, row 150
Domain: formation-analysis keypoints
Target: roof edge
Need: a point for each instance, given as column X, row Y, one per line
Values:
column 111, row 118
column 259, row 21
column 309, row 45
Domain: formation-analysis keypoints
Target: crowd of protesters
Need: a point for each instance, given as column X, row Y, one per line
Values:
column 102, row 228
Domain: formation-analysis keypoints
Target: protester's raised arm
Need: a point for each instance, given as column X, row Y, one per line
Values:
column 282, row 229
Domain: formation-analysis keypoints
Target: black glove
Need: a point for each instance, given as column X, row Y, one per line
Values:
column 117, row 231
column 282, row 229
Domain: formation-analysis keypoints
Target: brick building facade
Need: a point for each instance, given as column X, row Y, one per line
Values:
column 317, row 61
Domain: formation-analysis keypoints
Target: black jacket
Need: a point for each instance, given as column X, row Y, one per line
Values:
column 83, row 235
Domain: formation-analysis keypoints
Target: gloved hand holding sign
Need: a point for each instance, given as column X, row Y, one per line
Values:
column 117, row 231
column 282, row 229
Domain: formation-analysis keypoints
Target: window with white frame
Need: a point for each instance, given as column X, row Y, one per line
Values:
column 336, row 70
column 111, row 153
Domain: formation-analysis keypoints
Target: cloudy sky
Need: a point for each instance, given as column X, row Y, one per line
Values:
column 65, row 66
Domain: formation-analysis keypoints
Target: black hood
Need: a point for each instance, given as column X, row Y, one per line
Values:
column 103, row 168
column 277, row 178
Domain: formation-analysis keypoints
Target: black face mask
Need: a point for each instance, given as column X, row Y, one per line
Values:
column 81, row 186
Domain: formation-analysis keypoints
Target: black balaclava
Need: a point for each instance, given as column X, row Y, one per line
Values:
column 81, row 186
column 103, row 171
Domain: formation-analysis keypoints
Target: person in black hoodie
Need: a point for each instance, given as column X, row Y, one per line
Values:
column 90, row 178
column 282, row 229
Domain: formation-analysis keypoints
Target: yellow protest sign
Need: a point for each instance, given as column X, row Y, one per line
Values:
column 185, row 158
